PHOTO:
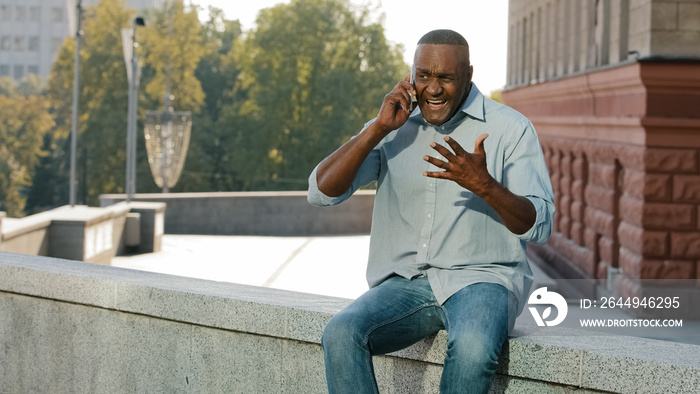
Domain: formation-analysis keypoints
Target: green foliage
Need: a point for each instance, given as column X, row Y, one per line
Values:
column 173, row 46
column 497, row 95
column 7, row 86
column 310, row 75
column 206, row 166
column 103, row 96
column 23, row 123
column 267, row 104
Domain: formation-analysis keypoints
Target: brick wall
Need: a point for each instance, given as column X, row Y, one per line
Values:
column 623, row 149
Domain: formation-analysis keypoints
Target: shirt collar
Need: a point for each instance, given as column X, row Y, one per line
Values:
column 473, row 106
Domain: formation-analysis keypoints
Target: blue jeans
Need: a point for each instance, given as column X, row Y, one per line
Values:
column 400, row 312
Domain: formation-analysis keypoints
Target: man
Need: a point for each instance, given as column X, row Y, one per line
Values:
column 447, row 247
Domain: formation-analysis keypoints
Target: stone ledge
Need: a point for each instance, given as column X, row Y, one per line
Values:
column 561, row 360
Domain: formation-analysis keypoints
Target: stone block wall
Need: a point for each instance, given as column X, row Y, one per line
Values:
column 73, row 327
column 256, row 213
column 623, row 149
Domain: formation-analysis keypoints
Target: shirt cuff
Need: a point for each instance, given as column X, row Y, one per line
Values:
column 540, row 231
column 318, row 198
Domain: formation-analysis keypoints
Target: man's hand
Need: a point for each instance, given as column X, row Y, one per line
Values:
column 469, row 170
column 337, row 171
column 396, row 107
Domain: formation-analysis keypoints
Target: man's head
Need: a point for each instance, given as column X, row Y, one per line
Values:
column 443, row 74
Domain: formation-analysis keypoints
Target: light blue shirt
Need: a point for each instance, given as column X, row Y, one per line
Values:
column 434, row 227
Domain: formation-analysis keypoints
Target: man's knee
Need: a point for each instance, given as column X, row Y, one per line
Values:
column 341, row 330
column 478, row 351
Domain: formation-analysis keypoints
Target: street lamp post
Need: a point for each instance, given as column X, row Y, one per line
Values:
column 74, row 117
column 131, row 113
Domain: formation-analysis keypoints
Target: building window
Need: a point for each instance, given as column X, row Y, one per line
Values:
column 56, row 44
column 57, row 14
column 33, row 44
column 34, row 14
column 19, row 13
column 19, row 72
column 19, row 44
column 33, row 70
column 6, row 44
column 4, row 70
column 5, row 13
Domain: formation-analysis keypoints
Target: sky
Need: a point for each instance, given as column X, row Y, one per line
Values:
column 484, row 23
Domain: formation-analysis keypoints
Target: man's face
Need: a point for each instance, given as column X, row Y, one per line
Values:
column 443, row 78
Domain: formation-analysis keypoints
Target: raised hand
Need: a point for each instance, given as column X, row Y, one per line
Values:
column 396, row 107
column 467, row 169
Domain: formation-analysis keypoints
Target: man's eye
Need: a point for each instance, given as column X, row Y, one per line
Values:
column 423, row 77
column 447, row 79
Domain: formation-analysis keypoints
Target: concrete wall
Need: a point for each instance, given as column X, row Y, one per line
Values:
column 82, row 233
column 257, row 213
column 70, row 327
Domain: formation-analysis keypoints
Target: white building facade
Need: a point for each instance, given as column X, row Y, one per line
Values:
column 32, row 32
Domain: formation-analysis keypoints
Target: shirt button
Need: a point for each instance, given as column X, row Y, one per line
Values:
column 425, row 246
column 430, row 215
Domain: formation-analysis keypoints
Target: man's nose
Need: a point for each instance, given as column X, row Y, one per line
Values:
column 433, row 87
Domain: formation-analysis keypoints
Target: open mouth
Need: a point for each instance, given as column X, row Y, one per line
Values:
column 436, row 103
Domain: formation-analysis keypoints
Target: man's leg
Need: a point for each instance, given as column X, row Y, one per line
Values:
column 389, row 317
column 479, row 318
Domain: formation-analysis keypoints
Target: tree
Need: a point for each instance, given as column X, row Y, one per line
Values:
column 24, row 121
column 30, row 85
column 7, row 86
column 497, row 95
column 206, row 167
column 49, row 187
column 311, row 74
column 103, row 96
column 172, row 48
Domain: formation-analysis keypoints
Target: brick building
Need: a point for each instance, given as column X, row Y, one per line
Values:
column 613, row 88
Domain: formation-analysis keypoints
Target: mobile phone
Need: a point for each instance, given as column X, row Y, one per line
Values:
column 414, row 99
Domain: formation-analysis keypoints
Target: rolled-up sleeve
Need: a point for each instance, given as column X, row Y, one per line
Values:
column 527, row 176
column 539, row 233
column 368, row 172
column 318, row 198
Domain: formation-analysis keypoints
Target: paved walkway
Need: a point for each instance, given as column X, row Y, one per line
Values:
column 289, row 263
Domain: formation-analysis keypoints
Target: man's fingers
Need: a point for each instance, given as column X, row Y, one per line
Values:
column 399, row 99
column 442, row 150
column 437, row 174
column 457, row 148
column 434, row 161
column 479, row 144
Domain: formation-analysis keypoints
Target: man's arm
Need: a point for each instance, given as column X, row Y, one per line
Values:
column 336, row 172
column 469, row 171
